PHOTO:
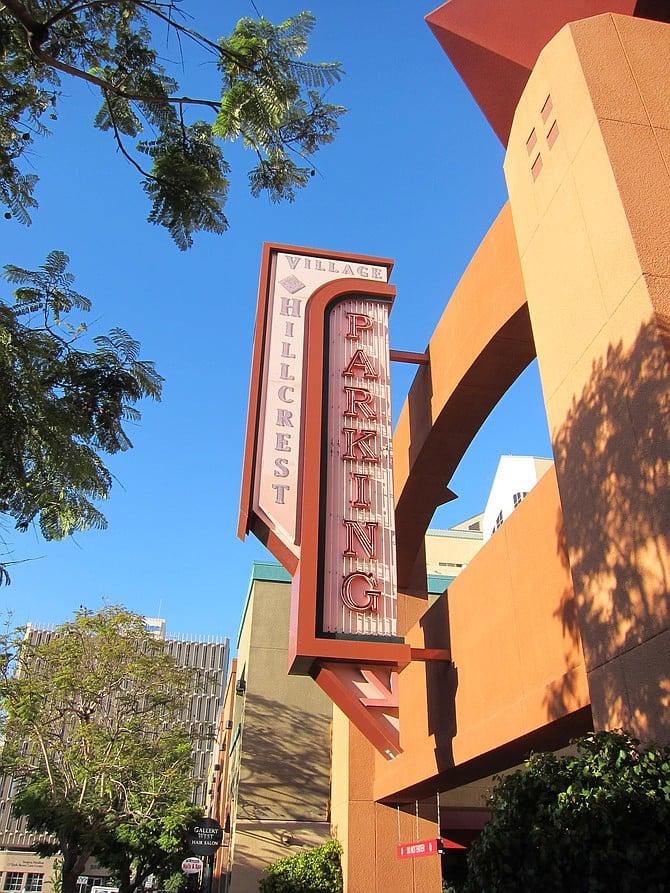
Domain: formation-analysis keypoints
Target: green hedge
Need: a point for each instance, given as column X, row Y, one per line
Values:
column 313, row 871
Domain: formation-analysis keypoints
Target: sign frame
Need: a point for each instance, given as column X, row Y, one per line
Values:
column 251, row 520
column 286, row 474
column 205, row 838
column 304, row 645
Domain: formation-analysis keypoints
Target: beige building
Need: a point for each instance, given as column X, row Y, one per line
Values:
column 449, row 551
column 271, row 780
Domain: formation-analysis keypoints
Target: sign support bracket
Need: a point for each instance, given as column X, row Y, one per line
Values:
column 429, row 655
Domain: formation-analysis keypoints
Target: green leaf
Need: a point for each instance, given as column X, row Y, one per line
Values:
column 61, row 407
column 94, row 736
column 188, row 184
column 270, row 98
column 574, row 822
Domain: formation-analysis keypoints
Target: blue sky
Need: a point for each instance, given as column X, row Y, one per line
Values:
column 415, row 174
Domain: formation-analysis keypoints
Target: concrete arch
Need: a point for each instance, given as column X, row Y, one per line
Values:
column 481, row 345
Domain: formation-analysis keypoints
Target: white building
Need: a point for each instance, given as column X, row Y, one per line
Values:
column 514, row 479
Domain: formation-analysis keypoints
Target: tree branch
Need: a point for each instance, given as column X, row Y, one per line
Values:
column 27, row 19
column 153, row 9
column 38, row 32
column 124, row 151
column 108, row 87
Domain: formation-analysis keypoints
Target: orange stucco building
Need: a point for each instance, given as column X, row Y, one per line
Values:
column 572, row 634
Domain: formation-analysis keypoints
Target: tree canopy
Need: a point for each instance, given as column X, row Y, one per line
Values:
column 145, row 845
column 95, row 740
column 594, row 821
column 268, row 97
column 62, row 406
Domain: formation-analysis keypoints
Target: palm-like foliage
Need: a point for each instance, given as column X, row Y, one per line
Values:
column 272, row 101
column 61, row 406
column 269, row 97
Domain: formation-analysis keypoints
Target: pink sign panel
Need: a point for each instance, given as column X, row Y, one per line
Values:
column 293, row 277
column 359, row 577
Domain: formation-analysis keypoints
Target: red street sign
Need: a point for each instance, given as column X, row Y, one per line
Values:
column 426, row 848
column 418, row 848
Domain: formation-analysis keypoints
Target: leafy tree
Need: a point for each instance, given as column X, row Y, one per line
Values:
column 597, row 821
column 268, row 97
column 61, row 406
column 149, row 844
column 94, row 739
column 318, row 870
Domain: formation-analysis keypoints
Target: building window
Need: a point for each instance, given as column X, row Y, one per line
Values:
column 34, row 882
column 518, row 497
column 499, row 520
column 13, row 880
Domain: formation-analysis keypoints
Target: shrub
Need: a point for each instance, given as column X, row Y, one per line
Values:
column 597, row 821
column 318, row 870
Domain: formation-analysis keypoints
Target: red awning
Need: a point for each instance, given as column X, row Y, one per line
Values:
column 445, row 844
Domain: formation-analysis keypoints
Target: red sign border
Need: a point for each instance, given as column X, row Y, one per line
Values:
column 304, row 645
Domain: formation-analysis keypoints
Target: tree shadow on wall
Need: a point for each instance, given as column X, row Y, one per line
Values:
column 612, row 457
column 285, row 765
column 564, row 694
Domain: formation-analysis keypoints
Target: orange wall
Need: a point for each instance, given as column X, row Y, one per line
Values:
column 368, row 831
column 481, row 344
column 561, row 621
column 509, row 618
column 592, row 225
column 494, row 46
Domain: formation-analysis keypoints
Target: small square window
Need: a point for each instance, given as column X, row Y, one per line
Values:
column 552, row 136
column 13, row 880
column 531, row 142
column 34, row 882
